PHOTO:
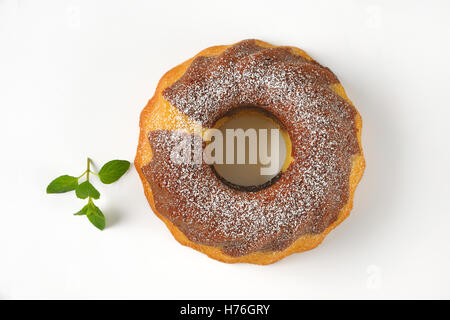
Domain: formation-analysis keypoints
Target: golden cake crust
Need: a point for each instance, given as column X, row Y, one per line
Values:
column 159, row 114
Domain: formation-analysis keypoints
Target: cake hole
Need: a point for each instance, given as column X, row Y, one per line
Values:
column 243, row 133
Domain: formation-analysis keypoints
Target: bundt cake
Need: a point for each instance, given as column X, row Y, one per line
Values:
column 311, row 195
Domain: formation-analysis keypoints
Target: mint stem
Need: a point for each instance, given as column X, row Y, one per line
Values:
column 88, row 168
column 82, row 175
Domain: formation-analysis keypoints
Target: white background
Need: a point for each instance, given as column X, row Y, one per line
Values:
column 74, row 76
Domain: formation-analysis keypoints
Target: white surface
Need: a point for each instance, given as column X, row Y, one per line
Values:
column 74, row 76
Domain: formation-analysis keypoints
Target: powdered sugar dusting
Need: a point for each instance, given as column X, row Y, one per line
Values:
column 308, row 196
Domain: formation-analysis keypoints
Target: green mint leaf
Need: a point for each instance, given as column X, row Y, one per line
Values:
column 62, row 184
column 85, row 190
column 95, row 216
column 82, row 212
column 113, row 170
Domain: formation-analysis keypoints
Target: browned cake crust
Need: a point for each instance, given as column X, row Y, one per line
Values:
column 310, row 198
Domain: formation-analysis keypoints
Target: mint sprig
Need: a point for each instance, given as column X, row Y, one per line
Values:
column 109, row 173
